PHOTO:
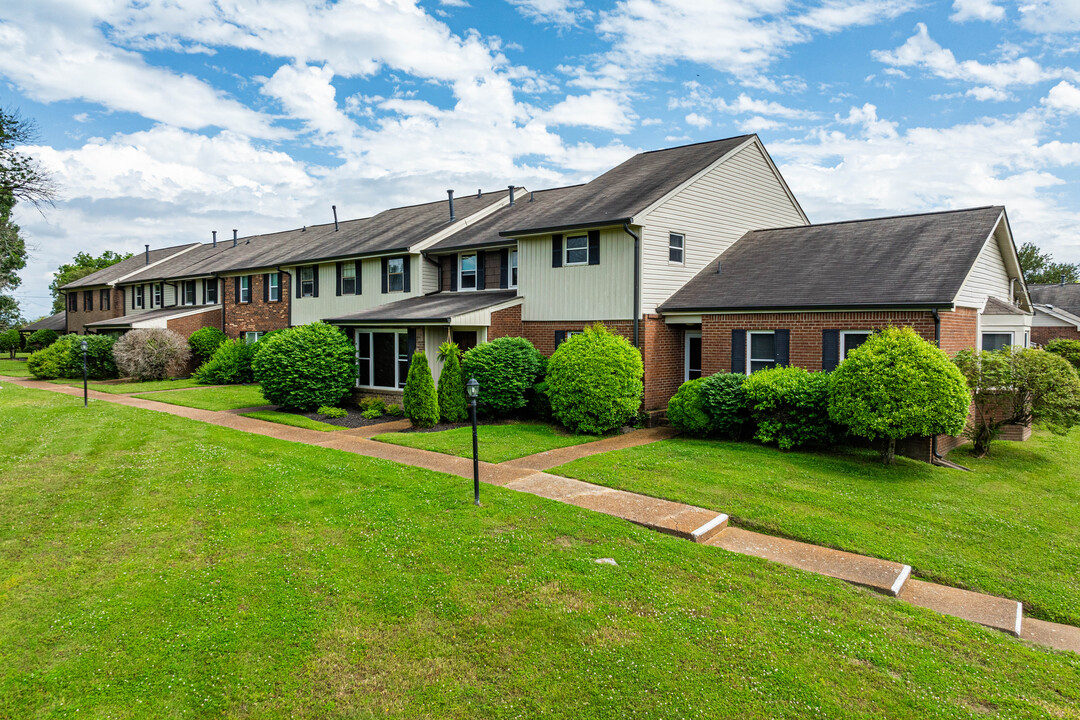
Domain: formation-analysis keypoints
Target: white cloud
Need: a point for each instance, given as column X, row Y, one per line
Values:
column 305, row 92
column 1052, row 17
column 964, row 10
column 598, row 109
column 1064, row 97
column 984, row 93
column 698, row 121
column 563, row 13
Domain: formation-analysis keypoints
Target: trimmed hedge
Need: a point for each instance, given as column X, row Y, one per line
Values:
column 204, row 342
column 725, row 402
column 452, row 407
column 229, row 365
column 63, row 359
column 790, row 407
column 41, row 339
column 594, row 381
column 305, row 367
column 686, row 409
column 1068, row 349
column 420, row 400
column 506, row 369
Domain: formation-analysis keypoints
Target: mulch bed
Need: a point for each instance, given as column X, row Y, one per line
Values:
column 353, row 420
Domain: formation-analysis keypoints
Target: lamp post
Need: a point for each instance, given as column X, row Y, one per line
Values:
column 472, row 389
column 85, row 393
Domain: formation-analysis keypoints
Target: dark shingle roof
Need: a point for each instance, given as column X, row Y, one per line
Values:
column 180, row 266
column 126, row 321
column 485, row 232
column 627, row 189
column 1066, row 297
column 996, row 306
column 124, row 267
column 57, row 322
column 438, row 308
column 910, row 260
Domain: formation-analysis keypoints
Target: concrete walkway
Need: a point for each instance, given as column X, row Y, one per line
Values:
column 685, row 521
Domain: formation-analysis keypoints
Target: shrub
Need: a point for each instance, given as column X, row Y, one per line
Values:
column 420, row 401
column 373, row 403
column 63, row 359
column 506, row 369
column 594, row 381
column 204, row 342
column 151, row 354
column 897, row 385
column 394, row 410
column 790, row 407
column 41, row 339
column 11, row 341
column 305, row 367
column 1068, row 349
column 332, row 412
column 452, row 406
column 686, row 409
column 539, row 404
column 229, row 365
column 725, row 403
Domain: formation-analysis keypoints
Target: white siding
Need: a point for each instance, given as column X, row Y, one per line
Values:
column 741, row 194
column 578, row 292
column 429, row 276
column 988, row 276
column 1042, row 319
column 329, row 304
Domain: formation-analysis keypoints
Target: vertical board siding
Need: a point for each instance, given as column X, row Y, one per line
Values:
column 577, row 292
column 739, row 195
column 988, row 276
column 328, row 304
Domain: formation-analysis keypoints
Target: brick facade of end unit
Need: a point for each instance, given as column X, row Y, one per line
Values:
column 188, row 324
column 78, row 319
column 259, row 314
column 1040, row 335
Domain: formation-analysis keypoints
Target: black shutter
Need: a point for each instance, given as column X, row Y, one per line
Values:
column 594, row 247
column 504, row 268
column 830, row 349
column 297, row 273
column 560, row 336
column 204, row 291
column 481, row 271
column 236, row 286
column 314, row 281
column 783, row 345
column 738, row 351
column 408, row 266
column 338, row 270
column 412, row 344
column 266, row 287
column 453, row 273
column 385, row 272
column 556, row 250
column 357, row 266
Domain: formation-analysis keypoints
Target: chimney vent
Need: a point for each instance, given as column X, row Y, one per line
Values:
column 214, row 232
column 478, row 194
column 718, row 268
column 530, row 196
column 1063, row 280
column 234, row 237
column 450, row 197
column 147, row 254
column 511, row 188
column 334, row 208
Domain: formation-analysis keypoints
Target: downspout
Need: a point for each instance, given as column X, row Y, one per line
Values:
column 937, row 341
column 637, row 283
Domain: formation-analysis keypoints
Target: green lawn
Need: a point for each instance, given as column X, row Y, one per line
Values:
column 230, row 397
column 292, row 419
column 13, row 368
column 157, row 567
column 1010, row 528
column 141, row 387
column 497, row 443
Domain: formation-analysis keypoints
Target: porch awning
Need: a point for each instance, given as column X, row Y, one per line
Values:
column 153, row 318
column 442, row 308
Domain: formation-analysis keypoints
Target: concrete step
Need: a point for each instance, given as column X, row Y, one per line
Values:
column 1061, row 637
column 881, row 575
column 996, row 612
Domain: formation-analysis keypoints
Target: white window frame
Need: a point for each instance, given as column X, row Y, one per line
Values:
column 138, row 298
column 750, row 359
column 390, row 275
column 686, row 354
column 475, row 272
column 512, row 271
column 157, row 295
column 348, row 267
column 309, row 281
column 253, row 336
column 843, row 341
column 1010, row 333
column 368, row 382
column 567, row 250
column 210, row 287
column 273, row 287
column 681, row 248
column 184, row 293
column 245, row 288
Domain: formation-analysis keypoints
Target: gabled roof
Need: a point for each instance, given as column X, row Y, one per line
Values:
column 437, row 308
column 996, row 306
column 627, row 189
column 904, row 261
column 1059, row 313
column 116, row 272
column 485, row 232
column 1065, row 297
column 57, row 322
column 179, row 266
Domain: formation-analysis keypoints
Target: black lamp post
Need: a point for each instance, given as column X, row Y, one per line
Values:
column 472, row 389
column 85, row 393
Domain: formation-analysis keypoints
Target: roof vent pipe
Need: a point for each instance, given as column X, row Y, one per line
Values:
column 450, row 196
column 147, row 254
column 511, row 188
column 334, row 208
column 479, row 194
column 214, row 233
column 718, row 267
column 234, row 237
column 1063, row 280
column 531, row 198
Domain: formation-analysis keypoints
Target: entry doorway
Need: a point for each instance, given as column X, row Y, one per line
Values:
column 692, row 356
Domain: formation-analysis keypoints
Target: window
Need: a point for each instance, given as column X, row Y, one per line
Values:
column 762, row 346
column 851, row 339
column 88, row 300
column 675, row 248
column 273, row 287
column 73, row 302
column 245, row 288
column 382, row 358
column 577, row 250
column 251, row 338
column 106, row 301
column 395, row 274
column 210, row 288
column 156, row 295
column 348, row 278
column 307, row 281
column 138, row 300
column 513, row 268
column 189, row 293
column 692, row 364
column 996, row 341
column 467, row 274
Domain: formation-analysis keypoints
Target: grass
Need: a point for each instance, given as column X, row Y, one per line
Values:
column 13, row 368
column 292, row 419
column 141, row 387
column 1011, row 527
column 299, row 581
column 497, row 443
column 230, row 397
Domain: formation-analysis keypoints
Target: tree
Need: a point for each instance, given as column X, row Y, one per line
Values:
column 897, row 385
column 10, row 341
column 1040, row 269
column 82, row 265
column 451, row 384
column 420, row 400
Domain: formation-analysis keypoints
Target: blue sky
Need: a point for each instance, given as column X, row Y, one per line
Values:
column 163, row 120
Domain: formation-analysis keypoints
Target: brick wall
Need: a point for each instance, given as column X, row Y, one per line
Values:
column 662, row 352
column 1041, row 335
column 958, row 330
column 505, row 323
column 77, row 320
column 255, row 316
column 190, row 323
column 542, row 333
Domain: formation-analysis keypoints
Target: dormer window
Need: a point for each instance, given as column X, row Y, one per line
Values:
column 467, row 275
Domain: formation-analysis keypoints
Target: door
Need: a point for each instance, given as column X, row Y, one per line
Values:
column 692, row 354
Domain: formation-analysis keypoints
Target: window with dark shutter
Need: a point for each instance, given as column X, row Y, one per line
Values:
column 407, row 263
column 738, row 351
column 266, row 287
column 594, row 247
column 830, row 349
column 236, row 287
column 481, row 271
column 556, row 250
column 454, row 273
column 504, row 269
column 560, row 336
column 395, row 277
column 782, row 341
column 315, row 275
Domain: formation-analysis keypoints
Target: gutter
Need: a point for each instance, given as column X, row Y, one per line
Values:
column 729, row 309
column 560, row 228
column 637, row 283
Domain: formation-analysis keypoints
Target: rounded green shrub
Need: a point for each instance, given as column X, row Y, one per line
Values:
column 371, row 413
column 204, row 342
column 40, row 339
column 11, row 341
column 594, row 381
column 332, row 412
column 229, row 365
column 151, row 354
column 686, row 409
column 506, row 369
column 452, row 406
column 63, row 359
column 724, row 401
column 790, row 407
column 420, row 400
column 1068, row 349
column 305, row 367
column 373, row 403
column 897, row 385
column 394, row 410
